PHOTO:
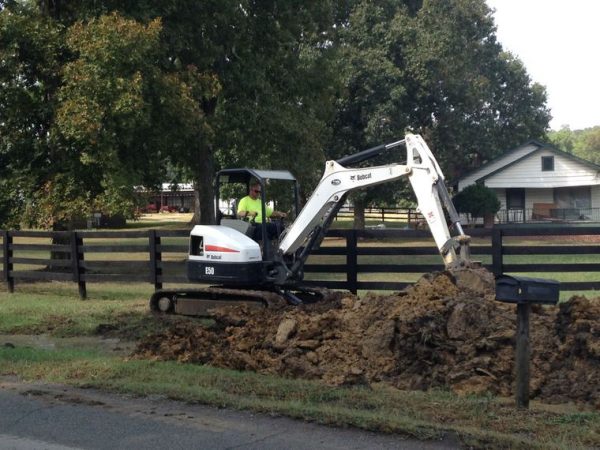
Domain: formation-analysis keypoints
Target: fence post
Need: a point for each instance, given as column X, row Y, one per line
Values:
column 497, row 251
column 382, row 215
column 7, row 265
column 522, row 355
column 155, row 258
column 351, row 261
column 78, row 270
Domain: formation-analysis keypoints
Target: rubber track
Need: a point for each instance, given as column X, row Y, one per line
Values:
column 268, row 298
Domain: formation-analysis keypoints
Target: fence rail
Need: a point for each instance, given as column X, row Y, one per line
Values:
column 352, row 259
column 408, row 215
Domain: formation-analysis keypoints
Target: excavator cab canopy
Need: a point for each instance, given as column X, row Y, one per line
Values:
column 245, row 177
column 277, row 186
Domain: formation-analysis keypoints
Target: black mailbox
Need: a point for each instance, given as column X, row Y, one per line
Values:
column 511, row 289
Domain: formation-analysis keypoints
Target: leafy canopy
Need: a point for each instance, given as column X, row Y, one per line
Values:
column 99, row 97
column 582, row 143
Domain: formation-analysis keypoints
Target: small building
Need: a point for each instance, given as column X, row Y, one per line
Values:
column 170, row 198
column 538, row 182
column 177, row 198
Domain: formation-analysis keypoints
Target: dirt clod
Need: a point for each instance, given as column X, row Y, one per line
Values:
column 286, row 328
column 445, row 331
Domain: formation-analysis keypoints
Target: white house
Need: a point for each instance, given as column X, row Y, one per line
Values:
column 536, row 181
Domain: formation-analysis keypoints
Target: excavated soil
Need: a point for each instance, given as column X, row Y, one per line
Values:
column 445, row 331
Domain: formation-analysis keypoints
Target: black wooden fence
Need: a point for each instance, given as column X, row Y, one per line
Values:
column 350, row 259
column 575, row 240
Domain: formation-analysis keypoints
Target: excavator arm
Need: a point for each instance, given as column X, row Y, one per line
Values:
column 425, row 177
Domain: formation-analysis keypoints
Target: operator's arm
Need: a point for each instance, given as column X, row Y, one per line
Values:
column 243, row 209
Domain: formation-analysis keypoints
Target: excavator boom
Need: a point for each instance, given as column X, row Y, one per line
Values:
column 426, row 179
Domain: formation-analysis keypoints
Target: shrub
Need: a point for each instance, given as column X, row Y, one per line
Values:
column 477, row 200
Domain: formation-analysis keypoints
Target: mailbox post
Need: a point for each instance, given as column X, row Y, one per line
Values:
column 524, row 292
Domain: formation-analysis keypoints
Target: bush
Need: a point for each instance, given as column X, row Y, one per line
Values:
column 150, row 208
column 477, row 200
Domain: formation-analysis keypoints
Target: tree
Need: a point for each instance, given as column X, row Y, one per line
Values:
column 32, row 49
column 270, row 61
column 277, row 88
column 89, row 111
column 582, row 143
column 441, row 74
column 477, row 200
column 102, row 96
column 564, row 139
column 372, row 94
column 120, row 111
column 468, row 97
column 192, row 85
column 589, row 145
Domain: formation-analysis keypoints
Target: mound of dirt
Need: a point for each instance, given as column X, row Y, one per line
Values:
column 444, row 331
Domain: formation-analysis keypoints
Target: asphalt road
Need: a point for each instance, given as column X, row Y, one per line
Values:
column 60, row 417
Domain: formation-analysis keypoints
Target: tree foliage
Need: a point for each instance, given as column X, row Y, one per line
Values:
column 123, row 113
column 32, row 49
column 277, row 89
column 269, row 61
column 101, row 96
column 103, row 114
column 477, row 200
column 432, row 67
column 582, row 143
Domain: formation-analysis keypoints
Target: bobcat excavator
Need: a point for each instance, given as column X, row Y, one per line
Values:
column 242, row 270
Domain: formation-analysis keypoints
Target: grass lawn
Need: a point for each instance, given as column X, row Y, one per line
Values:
column 120, row 310
column 161, row 220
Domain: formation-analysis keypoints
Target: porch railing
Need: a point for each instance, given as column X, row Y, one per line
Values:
column 550, row 215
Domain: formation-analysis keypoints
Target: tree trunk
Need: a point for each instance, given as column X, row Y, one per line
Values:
column 204, row 192
column 50, row 8
column 60, row 240
column 359, row 214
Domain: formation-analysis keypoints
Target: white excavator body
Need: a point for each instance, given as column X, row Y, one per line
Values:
column 225, row 255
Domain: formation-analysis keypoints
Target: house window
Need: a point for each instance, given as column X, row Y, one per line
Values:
column 573, row 197
column 547, row 163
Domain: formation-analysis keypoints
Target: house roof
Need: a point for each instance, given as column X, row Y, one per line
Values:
column 540, row 146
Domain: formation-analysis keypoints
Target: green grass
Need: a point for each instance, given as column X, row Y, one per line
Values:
column 478, row 420
column 54, row 308
column 160, row 220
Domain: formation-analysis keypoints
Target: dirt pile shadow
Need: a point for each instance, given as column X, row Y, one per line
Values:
column 445, row 331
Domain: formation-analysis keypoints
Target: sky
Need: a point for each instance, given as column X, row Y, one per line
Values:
column 559, row 43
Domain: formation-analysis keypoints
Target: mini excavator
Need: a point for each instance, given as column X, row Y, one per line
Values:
column 268, row 272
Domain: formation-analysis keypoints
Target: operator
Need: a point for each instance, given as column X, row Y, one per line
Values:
column 250, row 207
